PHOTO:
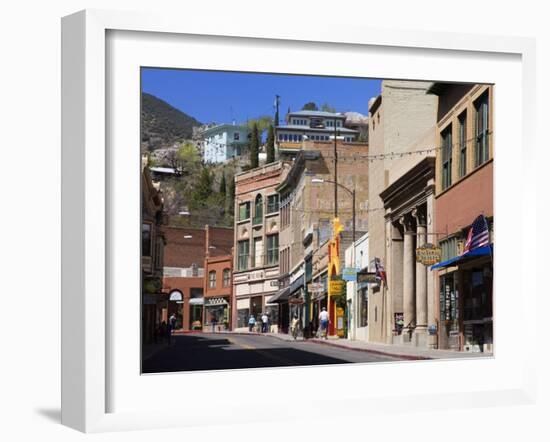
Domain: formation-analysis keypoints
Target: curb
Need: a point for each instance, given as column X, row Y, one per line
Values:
column 379, row 352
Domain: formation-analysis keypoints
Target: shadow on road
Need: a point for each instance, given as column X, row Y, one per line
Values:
column 193, row 353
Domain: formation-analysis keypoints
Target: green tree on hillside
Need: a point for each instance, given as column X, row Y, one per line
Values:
column 270, row 147
column 223, row 185
column 325, row 107
column 310, row 106
column 254, row 148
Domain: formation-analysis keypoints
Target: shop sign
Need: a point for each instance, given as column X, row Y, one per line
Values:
column 428, row 254
column 368, row 277
column 349, row 274
column 215, row 301
column 336, row 287
column 315, row 287
column 296, row 301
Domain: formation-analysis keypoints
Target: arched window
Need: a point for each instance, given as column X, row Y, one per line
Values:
column 212, row 279
column 226, row 277
column 258, row 209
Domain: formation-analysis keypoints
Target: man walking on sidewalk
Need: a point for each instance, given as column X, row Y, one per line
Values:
column 323, row 321
column 265, row 321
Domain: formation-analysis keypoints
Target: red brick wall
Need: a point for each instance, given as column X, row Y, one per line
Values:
column 184, row 285
column 457, row 207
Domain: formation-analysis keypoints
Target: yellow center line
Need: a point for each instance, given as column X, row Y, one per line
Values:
column 264, row 353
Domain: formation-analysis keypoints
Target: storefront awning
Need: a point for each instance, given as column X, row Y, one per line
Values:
column 280, row 296
column 196, row 301
column 480, row 251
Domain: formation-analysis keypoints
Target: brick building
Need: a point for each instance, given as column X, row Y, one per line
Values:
column 183, row 282
column 307, row 211
column 464, row 193
column 218, row 292
column 256, row 243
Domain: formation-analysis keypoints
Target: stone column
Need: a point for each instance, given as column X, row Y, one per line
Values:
column 421, row 283
column 433, row 297
column 409, row 307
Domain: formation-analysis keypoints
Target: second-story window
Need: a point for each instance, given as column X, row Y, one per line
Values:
column 226, row 277
column 146, row 239
column 244, row 211
column 243, row 252
column 463, row 145
column 446, row 157
column 482, row 129
column 212, row 279
column 272, row 249
column 272, row 203
column 258, row 209
column 236, row 136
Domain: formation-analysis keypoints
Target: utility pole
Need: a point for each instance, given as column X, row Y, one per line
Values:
column 277, row 110
column 335, row 172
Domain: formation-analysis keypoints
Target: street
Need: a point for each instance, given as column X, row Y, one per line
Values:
column 211, row 351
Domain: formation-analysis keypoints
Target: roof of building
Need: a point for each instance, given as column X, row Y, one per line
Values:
column 311, row 113
column 220, row 128
column 180, row 251
column 170, row 170
column 315, row 129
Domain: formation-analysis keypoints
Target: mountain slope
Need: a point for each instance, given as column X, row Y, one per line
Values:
column 162, row 125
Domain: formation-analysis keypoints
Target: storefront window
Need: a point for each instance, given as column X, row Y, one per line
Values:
column 242, row 317
column 363, row 308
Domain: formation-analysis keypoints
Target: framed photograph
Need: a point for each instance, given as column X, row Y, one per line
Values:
column 254, row 213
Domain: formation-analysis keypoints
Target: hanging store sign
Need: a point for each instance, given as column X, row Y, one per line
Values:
column 336, row 287
column 349, row 274
column 428, row 254
column 215, row 301
column 368, row 277
column 315, row 287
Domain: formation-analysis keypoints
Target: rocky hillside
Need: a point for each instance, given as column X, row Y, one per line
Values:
column 162, row 125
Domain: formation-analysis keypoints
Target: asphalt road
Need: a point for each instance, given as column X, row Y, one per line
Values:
column 207, row 351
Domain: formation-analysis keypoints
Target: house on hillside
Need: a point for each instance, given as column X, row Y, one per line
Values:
column 223, row 142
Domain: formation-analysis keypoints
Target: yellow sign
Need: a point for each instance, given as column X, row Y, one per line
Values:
column 336, row 288
column 428, row 254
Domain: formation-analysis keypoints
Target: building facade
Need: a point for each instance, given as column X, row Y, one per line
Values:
column 218, row 293
column 401, row 129
column 357, row 293
column 223, row 142
column 152, row 251
column 464, row 205
column 313, row 126
column 256, row 243
column 307, row 213
column 184, row 272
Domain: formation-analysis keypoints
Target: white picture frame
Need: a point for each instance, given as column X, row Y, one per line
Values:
column 87, row 215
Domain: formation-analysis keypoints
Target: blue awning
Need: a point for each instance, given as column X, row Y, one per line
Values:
column 480, row 251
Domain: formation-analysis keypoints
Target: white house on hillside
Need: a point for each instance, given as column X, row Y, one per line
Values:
column 223, row 142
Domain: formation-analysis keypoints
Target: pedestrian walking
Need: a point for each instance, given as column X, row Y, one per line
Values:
column 294, row 326
column 323, row 322
column 214, row 321
column 173, row 321
column 251, row 323
column 265, row 322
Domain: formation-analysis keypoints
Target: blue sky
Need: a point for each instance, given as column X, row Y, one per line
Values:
column 220, row 97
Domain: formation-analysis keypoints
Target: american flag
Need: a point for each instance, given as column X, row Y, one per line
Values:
column 380, row 271
column 478, row 235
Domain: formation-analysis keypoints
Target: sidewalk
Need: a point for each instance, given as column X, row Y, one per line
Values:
column 398, row 351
